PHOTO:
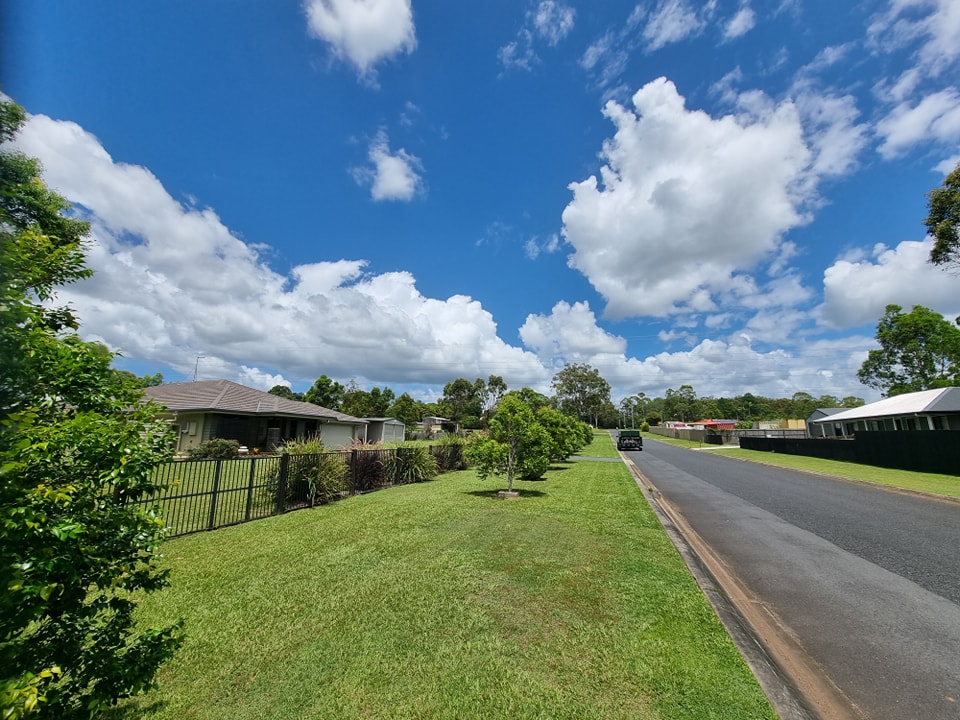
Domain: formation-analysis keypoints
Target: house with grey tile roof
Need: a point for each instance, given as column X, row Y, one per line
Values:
column 223, row 409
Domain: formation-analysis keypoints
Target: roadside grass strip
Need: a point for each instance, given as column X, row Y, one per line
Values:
column 935, row 483
column 440, row 600
column 601, row 446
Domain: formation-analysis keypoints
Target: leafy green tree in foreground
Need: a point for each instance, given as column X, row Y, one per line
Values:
column 76, row 445
column 943, row 220
column 516, row 446
column 919, row 350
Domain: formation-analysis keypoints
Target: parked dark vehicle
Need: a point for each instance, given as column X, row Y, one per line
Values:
column 629, row 440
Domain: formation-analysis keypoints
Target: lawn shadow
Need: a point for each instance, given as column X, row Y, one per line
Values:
column 493, row 493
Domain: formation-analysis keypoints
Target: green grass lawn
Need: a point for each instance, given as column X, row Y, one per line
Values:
column 946, row 485
column 440, row 600
column 601, row 446
column 935, row 483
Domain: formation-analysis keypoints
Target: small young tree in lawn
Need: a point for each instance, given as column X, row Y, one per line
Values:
column 515, row 446
column 77, row 446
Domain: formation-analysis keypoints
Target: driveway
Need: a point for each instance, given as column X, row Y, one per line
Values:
column 859, row 584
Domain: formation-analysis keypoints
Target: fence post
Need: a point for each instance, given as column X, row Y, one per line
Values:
column 249, row 508
column 212, row 523
column 282, row 483
column 353, row 471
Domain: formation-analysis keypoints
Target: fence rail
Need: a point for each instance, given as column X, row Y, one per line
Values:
column 201, row 495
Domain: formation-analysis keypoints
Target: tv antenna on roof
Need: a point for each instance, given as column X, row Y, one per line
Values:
column 197, row 366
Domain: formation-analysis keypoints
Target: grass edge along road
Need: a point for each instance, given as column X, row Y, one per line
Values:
column 930, row 483
column 439, row 600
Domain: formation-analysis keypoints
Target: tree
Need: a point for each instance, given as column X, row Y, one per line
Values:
column 77, row 447
column 143, row 382
column 567, row 434
column 406, row 409
column 516, row 444
column 489, row 393
column 682, row 404
column 366, row 403
column 943, row 220
column 325, row 393
column 286, row 393
column 463, row 399
column 919, row 350
column 802, row 405
column 581, row 391
column 532, row 398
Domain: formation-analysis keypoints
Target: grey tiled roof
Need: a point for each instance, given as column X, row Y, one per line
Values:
column 229, row 397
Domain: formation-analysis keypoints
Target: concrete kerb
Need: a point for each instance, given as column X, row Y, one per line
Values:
column 793, row 683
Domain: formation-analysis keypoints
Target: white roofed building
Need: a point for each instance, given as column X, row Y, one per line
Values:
column 925, row 410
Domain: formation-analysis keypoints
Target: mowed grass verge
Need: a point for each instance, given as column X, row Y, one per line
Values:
column 933, row 483
column 440, row 600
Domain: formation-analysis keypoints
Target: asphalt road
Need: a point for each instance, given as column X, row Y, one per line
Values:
column 866, row 581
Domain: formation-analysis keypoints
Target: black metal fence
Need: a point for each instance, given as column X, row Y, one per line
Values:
column 207, row 494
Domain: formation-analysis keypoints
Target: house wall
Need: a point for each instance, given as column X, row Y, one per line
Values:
column 335, row 435
column 194, row 428
column 394, row 432
column 829, row 428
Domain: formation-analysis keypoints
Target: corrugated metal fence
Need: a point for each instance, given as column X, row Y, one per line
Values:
column 207, row 494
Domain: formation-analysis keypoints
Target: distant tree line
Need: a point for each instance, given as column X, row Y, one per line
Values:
column 580, row 392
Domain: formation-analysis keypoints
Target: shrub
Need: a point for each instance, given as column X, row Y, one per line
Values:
column 411, row 463
column 533, row 458
column 488, row 456
column 369, row 467
column 313, row 475
column 78, row 447
column 449, row 454
column 215, row 448
column 645, row 427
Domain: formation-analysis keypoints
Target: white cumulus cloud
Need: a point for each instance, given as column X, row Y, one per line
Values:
column 570, row 332
column 685, row 200
column 392, row 175
column 364, row 32
column 171, row 282
column 856, row 290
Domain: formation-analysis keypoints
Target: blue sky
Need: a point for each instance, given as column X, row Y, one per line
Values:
column 398, row 192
